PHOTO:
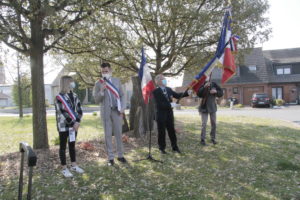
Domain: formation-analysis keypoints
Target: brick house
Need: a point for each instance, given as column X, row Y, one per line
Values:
column 275, row 72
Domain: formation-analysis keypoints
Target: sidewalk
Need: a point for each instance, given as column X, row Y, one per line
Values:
column 12, row 112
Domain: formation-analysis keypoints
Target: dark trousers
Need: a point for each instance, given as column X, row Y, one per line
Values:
column 165, row 120
column 63, row 139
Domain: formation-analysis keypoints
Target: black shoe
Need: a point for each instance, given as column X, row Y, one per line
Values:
column 203, row 142
column 176, row 150
column 110, row 163
column 162, row 151
column 214, row 141
column 122, row 160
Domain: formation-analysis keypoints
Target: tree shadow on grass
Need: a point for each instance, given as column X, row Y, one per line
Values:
column 242, row 166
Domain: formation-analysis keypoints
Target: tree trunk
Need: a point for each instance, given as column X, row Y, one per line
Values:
column 40, row 136
column 125, row 127
column 19, row 90
column 135, row 102
column 141, row 115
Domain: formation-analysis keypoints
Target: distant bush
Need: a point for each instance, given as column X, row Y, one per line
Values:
column 279, row 102
column 94, row 113
column 47, row 104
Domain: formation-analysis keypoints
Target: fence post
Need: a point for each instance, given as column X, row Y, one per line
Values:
column 31, row 158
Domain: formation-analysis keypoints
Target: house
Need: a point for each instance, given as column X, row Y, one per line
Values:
column 5, row 90
column 275, row 72
column 6, row 95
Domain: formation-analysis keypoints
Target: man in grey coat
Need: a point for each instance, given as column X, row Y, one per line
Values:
column 208, row 92
column 108, row 92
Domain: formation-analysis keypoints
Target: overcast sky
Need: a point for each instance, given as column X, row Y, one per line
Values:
column 285, row 22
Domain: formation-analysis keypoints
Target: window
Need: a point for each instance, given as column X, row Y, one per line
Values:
column 280, row 70
column 235, row 90
column 252, row 68
column 277, row 93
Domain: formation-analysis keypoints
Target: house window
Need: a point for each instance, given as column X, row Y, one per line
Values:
column 280, row 70
column 277, row 93
column 252, row 68
column 235, row 90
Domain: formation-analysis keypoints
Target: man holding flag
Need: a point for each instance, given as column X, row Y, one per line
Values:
column 108, row 92
column 208, row 90
column 163, row 96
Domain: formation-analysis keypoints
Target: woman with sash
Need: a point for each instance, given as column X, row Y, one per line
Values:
column 68, row 117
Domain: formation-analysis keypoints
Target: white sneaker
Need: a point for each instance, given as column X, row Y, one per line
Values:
column 77, row 169
column 66, row 172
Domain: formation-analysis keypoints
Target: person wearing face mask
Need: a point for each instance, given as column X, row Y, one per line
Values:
column 164, row 113
column 109, row 94
column 209, row 92
column 68, row 117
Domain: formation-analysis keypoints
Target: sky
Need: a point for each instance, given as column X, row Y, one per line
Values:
column 285, row 22
column 284, row 16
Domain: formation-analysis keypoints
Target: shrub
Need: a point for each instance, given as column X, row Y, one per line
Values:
column 279, row 102
column 94, row 113
column 47, row 104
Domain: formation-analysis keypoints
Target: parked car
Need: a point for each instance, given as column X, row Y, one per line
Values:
column 261, row 99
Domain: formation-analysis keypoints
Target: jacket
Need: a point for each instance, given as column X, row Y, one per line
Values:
column 208, row 103
column 63, row 119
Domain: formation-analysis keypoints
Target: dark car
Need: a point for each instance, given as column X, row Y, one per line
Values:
column 261, row 99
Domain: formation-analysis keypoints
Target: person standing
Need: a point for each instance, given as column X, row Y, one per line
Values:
column 68, row 117
column 108, row 92
column 208, row 92
column 164, row 113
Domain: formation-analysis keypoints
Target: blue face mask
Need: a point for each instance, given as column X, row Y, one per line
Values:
column 164, row 82
column 72, row 85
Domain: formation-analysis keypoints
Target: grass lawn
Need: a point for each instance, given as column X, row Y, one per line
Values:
column 255, row 159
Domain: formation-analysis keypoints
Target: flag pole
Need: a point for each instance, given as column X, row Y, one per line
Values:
column 149, row 157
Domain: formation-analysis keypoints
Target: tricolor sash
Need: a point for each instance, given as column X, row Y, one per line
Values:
column 68, row 107
column 113, row 90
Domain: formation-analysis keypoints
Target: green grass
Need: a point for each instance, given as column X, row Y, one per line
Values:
column 255, row 159
column 15, row 130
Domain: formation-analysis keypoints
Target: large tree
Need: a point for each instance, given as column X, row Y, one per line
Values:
column 33, row 27
column 177, row 35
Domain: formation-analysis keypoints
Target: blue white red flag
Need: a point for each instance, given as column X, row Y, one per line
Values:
column 110, row 86
column 226, row 47
column 224, row 55
column 147, row 84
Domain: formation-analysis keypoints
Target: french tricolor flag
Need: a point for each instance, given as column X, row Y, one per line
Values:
column 147, row 84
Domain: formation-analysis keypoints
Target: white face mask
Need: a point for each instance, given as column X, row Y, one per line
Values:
column 107, row 75
column 72, row 85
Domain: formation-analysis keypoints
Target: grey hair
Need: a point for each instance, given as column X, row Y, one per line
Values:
column 65, row 84
column 157, row 78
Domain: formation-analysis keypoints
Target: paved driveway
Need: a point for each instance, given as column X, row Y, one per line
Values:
column 289, row 113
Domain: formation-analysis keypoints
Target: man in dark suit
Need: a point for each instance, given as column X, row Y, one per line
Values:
column 164, row 113
column 208, row 92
